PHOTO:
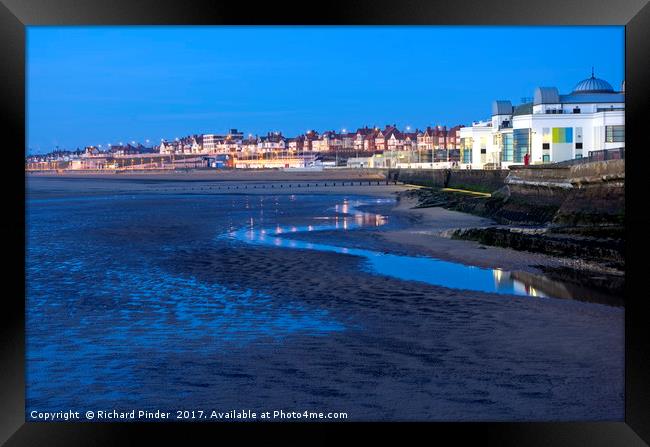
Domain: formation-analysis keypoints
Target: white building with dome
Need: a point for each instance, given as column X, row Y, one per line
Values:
column 553, row 127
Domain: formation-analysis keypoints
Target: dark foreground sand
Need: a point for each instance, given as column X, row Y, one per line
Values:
column 429, row 231
column 413, row 351
column 406, row 351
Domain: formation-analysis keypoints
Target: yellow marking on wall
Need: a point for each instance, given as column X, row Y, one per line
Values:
column 465, row 191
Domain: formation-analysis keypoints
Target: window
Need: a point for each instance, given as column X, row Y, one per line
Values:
column 614, row 134
column 546, row 146
column 578, row 145
column 507, row 151
column 466, row 149
column 483, row 150
column 440, row 155
column 576, row 110
column 467, row 155
column 521, row 144
column 546, row 158
column 578, row 155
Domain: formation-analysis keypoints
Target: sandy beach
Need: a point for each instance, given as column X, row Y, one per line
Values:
column 425, row 235
column 428, row 236
column 145, row 268
column 198, row 240
column 226, row 182
column 218, row 175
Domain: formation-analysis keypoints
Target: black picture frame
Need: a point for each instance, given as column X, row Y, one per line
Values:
column 15, row 15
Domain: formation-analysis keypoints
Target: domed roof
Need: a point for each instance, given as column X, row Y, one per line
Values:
column 593, row 85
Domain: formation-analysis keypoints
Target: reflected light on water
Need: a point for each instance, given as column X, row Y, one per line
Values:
column 412, row 268
column 504, row 281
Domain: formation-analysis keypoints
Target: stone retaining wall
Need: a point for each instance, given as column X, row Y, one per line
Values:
column 477, row 180
column 582, row 194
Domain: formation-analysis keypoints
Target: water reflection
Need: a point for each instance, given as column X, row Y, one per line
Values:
column 503, row 280
column 413, row 268
column 108, row 322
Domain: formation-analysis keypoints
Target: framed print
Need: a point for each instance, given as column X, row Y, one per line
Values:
column 234, row 219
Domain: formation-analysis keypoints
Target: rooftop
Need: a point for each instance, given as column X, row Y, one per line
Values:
column 593, row 85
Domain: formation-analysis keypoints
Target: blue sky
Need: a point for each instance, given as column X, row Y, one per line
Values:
column 100, row 85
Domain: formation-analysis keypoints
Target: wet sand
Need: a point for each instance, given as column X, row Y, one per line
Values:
column 424, row 236
column 218, row 175
column 257, row 183
column 388, row 349
column 428, row 235
column 415, row 351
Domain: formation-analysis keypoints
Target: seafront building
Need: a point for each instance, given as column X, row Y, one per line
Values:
column 553, row 127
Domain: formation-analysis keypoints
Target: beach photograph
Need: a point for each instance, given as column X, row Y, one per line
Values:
column 325, row 223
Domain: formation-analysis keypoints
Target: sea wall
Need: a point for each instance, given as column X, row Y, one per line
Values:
column 532, row 194
column 476, row 180
column 597, row 196
column 589, row 194
column 575, row 211
column 579, row 195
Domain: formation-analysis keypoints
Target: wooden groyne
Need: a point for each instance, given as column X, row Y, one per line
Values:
column 273, row 186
